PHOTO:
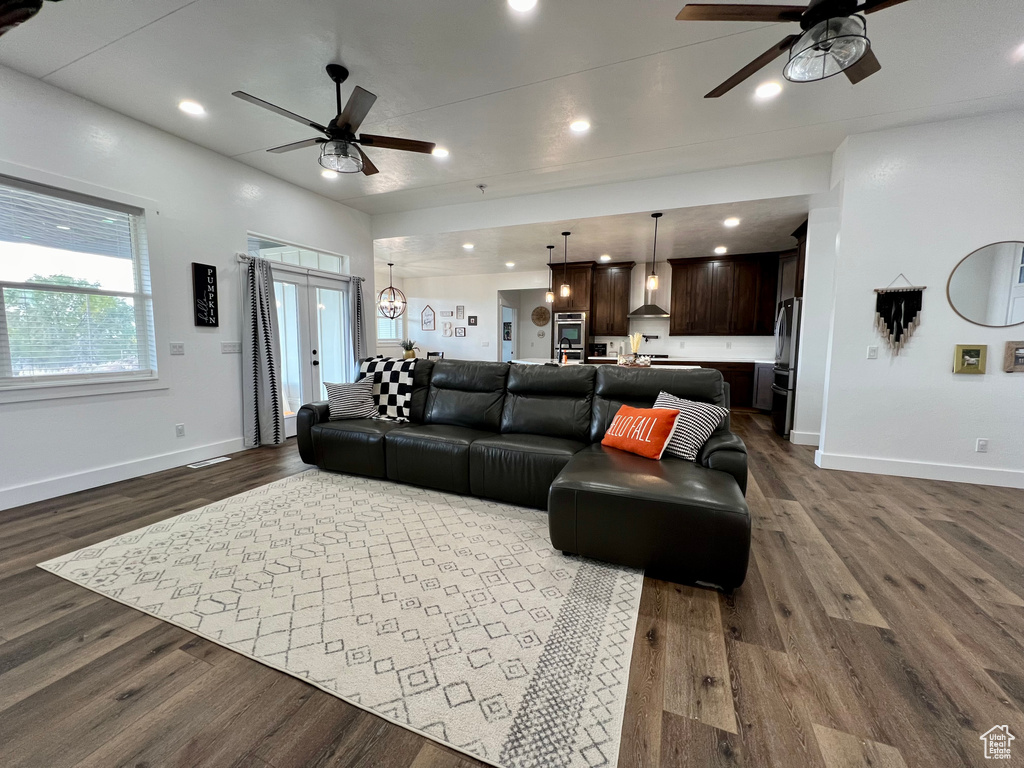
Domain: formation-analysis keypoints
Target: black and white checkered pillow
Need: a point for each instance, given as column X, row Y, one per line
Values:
column 694, row 426
column 392, row 385
column 351, row 401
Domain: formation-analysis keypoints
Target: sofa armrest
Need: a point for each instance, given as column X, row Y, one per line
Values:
column 308, row 415
column 725, row 451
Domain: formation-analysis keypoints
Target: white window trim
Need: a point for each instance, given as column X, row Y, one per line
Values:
column 117, row 383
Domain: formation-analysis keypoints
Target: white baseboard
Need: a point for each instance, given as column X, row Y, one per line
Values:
column 956, row 473
column 58, row 486
column 804, row 438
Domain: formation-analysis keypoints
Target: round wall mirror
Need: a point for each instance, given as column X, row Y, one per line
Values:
column 987, row 286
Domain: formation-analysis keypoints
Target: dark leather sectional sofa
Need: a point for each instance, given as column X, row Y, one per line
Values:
column 530, row 435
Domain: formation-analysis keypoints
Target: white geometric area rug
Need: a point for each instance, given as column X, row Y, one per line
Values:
column 448, row 615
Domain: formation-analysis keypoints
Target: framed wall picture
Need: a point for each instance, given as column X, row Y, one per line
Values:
column 204, row 295
column 460, row 331
column 446, row 313
column 970, row 358
column 427, row 319
column 460, row 312
column 472, row 319
column 506, row 331
column 1013, row 359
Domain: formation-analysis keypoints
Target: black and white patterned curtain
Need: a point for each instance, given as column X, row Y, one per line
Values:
column 262, row 400
column 358, row 340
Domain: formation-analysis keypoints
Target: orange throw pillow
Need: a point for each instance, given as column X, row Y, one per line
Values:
column 643, row 431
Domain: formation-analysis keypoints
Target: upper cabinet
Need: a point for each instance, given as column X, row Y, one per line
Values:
column 724, row 296
column 578, row 275
column 609, row 299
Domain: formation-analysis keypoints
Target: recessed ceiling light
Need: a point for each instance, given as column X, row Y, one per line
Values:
column 732, row 221
column 61, row 226
column 510, row 263
column 579, row 126
column 606, row 257
column 768, row 90
column 468, row 246
column 191, row 107
column 522, row 5
column 439, row 152
column 327, row 173
column 1018, row 55
column 721, row 249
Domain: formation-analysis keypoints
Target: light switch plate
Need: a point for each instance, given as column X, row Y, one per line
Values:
column 177, row 347
column 485, row 343
column 872, row 353
column 231, row 347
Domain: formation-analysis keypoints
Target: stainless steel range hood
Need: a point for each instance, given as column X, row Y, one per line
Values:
column 648, row 310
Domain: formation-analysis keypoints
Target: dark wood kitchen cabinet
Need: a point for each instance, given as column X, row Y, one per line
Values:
column 578, row 275
column 609, row 299
column 732, row 296
column 739, row 376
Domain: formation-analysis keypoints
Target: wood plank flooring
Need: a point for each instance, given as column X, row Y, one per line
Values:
column 881, row 625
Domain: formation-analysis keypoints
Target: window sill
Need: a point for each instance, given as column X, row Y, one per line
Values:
column 61, row 390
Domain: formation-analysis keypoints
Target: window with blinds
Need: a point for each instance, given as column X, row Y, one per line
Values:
column 75, row 296
column 389, row 329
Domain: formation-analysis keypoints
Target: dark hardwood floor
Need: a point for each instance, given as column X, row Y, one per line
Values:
column 881, row 624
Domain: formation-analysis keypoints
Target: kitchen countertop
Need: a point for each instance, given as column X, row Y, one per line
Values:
column 662, row 360
column 549, row 361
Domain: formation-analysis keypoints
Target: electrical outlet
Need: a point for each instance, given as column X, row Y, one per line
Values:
column 872, row 353
column 179, row 430
column 682, row 345
column 485, row 343
column 982, row 445
column 231, row 347
column 177, row 347
column 728, row 345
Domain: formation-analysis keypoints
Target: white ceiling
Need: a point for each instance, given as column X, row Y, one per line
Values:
column 765, row 225
column 499, row 89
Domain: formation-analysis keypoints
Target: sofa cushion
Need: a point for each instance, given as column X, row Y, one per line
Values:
column 355, row 446
column 466, row 394
column 518, row 468
column 616, row 385
column 677, row 519
column 432, row 455
column 547, row 400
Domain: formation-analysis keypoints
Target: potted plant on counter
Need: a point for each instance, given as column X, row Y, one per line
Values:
column 410, row 348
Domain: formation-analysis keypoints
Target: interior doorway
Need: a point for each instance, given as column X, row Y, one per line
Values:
column 509, row 331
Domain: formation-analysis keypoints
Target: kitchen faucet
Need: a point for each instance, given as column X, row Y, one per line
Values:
column 568, row 341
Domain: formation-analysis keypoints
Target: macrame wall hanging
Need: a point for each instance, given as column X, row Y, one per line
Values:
column 898, row 312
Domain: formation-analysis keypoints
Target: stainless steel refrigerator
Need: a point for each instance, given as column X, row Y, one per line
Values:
column 787, row 331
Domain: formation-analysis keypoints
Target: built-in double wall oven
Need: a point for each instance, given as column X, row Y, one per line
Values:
column 570, row 336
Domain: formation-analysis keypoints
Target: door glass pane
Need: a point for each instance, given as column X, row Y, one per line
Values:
column 286, row 295
column 336, row 364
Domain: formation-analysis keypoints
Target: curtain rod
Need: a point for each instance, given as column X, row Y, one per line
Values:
column 245, row 257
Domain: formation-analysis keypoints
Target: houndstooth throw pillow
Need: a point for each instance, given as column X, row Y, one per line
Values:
column 694, row 426
column 392, row 385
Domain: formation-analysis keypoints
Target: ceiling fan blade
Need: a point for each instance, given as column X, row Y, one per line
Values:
column 757, row 64
column 708, row 12
column 878, row 5
column 15, row 12
column 352, row 116
column 279, row 110
column 296, row 145
column 368, row 167
column 389, row 142
column 865, row 68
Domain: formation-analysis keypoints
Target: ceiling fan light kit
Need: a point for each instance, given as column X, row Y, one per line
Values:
column 340, row 156
column 827, row 49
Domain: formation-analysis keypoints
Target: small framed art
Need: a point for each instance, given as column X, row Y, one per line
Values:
column 970, row 358
column 427, row 318
column 460, row 311
column 460, row 331
column 1013, row 359
column 472, row 319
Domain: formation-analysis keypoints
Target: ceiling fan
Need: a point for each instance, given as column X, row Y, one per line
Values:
column 339, row 145
column 15, row 12
column 834, row 38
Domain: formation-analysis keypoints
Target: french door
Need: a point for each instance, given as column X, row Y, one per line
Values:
column 315, row 328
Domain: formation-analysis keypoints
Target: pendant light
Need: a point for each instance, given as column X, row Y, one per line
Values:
column 564, row 290
column 651, row 282
column 652, row 279
column 391, row 301
column 549, row 297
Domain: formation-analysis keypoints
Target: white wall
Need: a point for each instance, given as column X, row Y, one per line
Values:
column 819, row 296
column 479, row 295
column 917, row 200
column 206, row 205
column 528, row 343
